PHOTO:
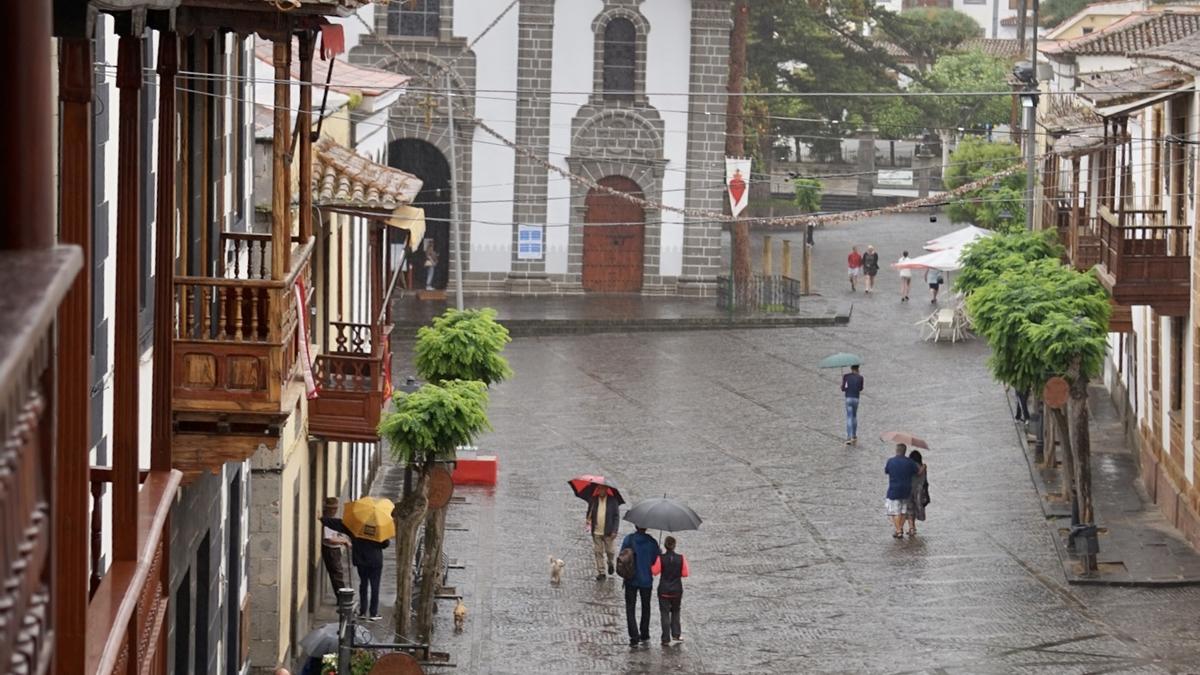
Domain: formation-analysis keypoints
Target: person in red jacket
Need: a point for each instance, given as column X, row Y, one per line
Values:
column 853, row 266
column 672, row 568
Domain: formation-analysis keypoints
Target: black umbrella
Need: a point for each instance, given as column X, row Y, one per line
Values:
column 662, row 513
column 324, row 639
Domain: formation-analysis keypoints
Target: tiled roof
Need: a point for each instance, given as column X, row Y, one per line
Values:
column 1083, row 141
column 348, row 78
column 1185, row 52
column 344, row 178
column 1134, row 33
column 1129, row 85
column 1001, row 47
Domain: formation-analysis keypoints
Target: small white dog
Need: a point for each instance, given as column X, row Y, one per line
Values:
column 460, row 616
column 556, row 568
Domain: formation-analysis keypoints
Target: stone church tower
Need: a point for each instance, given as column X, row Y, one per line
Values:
column 629, row 94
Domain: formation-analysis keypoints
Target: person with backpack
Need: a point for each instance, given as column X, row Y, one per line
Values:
column 639, row 553
column 673, row 568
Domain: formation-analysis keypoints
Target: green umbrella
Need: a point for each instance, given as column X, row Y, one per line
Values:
column 840, row 360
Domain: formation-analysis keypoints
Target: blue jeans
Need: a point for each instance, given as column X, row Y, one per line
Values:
column 851, row 417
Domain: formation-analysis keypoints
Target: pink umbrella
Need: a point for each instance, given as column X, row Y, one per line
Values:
column 905, row 438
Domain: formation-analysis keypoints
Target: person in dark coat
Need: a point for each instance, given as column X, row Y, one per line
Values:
column 645, row 554
column 334, row 547
column 673, row 568
column 603, row 519
column 367, row 557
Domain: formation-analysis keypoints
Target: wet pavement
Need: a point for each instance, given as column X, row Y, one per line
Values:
column 794, row 569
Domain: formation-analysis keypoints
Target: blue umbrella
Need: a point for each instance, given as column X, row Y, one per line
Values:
column 840, row 360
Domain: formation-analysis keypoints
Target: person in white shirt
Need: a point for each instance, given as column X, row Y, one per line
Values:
column 905, row 277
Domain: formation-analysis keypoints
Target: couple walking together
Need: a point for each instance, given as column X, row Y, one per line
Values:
column 908, row 490
column 639, row 561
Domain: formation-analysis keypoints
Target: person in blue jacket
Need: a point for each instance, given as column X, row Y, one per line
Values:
column 645, row 554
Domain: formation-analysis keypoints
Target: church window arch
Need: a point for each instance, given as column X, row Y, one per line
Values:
column 620, row 59
column 414, row 18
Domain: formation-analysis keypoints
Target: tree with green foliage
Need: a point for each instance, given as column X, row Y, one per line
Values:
column 459, row 355
column 926, row 33
column 1045, row 319
column 1000, row 206
column 463, row 345
column 808, row 194
column 1053, row 12
column 983, row 260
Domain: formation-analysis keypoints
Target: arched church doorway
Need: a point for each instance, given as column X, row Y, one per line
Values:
column 613, row 238
column 426, row 162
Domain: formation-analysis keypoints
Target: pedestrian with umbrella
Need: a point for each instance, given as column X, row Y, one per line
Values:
column 603, row 518
column 369, row 524
column 852, row 387
column 671, row 567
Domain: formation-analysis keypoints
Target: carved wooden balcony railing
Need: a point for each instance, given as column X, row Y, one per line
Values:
column 234, row 355
column 129, row 599
column 1143, row 261
column 34, row 284
column 353, row 377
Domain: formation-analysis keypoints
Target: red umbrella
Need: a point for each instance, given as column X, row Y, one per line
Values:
column 905, row 438
column 585, row 487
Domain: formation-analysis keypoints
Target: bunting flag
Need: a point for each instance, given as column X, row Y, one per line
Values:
column 737, row 182
column 302, row 350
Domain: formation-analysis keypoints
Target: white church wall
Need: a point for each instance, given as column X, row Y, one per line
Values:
column 668, row 52
column 573, row 64
column 492, row 169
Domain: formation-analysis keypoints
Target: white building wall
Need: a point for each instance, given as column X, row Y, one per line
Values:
column 668, row 67
column 574, row 55
column 492, row 170
column 987, row 13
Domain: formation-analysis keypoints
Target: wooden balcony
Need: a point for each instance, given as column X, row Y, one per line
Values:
column 1145, row 262
column 234, row 355
column 127, row 612
column 34, row 283
column 352, row 379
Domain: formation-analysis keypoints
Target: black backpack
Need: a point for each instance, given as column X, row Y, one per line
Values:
column 625, row 564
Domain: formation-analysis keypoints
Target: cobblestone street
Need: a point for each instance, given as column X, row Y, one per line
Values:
column 794, row 569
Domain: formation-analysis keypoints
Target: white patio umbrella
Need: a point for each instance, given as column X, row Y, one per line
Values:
column 946, row 260
column 957, row 238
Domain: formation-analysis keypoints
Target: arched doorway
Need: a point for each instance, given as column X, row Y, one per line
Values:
column 614, row 238
column 426, row 162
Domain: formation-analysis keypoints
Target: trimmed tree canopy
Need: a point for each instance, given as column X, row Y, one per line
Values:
column 986, row 258
column 463, row 345
column 1038, row 318
column 435, row 419
column 999, row 207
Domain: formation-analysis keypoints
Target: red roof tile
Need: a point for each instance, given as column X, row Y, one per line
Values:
column 1136, row 32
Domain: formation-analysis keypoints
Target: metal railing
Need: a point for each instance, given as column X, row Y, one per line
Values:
column 775, row 293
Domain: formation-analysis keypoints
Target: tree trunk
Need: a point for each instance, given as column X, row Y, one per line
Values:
column 1049, row 437
column 408, row 513
column 1082, row 443
column 431, row 561
column 1063, row 431
column 735, row 144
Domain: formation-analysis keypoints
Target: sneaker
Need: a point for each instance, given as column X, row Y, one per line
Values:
column 600, row 577
column 610, row 568
column 666, row 643
column 633, row 642
column 375, row 618
column 679, row 638
column 849, row 441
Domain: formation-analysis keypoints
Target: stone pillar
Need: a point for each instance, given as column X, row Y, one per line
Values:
column 923, row 162
column 535, row 58
column 768, row 265
column 712, row 21
column 786, row 263
column 866, row 165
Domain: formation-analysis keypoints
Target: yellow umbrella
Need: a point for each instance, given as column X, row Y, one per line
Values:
column 370, row 518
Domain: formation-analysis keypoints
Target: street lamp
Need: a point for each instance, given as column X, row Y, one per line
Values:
column 410, row 386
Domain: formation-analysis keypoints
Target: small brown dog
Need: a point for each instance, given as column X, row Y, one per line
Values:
column 556, row 568
column 460, row 616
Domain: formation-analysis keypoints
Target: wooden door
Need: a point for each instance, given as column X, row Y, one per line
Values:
column 613, row 239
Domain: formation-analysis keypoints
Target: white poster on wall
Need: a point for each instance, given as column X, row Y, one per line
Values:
column 530, row 242
column 737, row 183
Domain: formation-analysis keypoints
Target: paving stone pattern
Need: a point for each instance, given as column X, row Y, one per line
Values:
column 794, row 569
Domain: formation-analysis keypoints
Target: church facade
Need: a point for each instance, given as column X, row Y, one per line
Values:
column 625, row 94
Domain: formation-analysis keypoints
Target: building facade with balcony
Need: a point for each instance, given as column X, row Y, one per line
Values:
column 329, row 446
column 1120, row 187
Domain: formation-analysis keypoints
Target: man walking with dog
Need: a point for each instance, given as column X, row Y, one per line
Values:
column 603, row 519
column 635, row 567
